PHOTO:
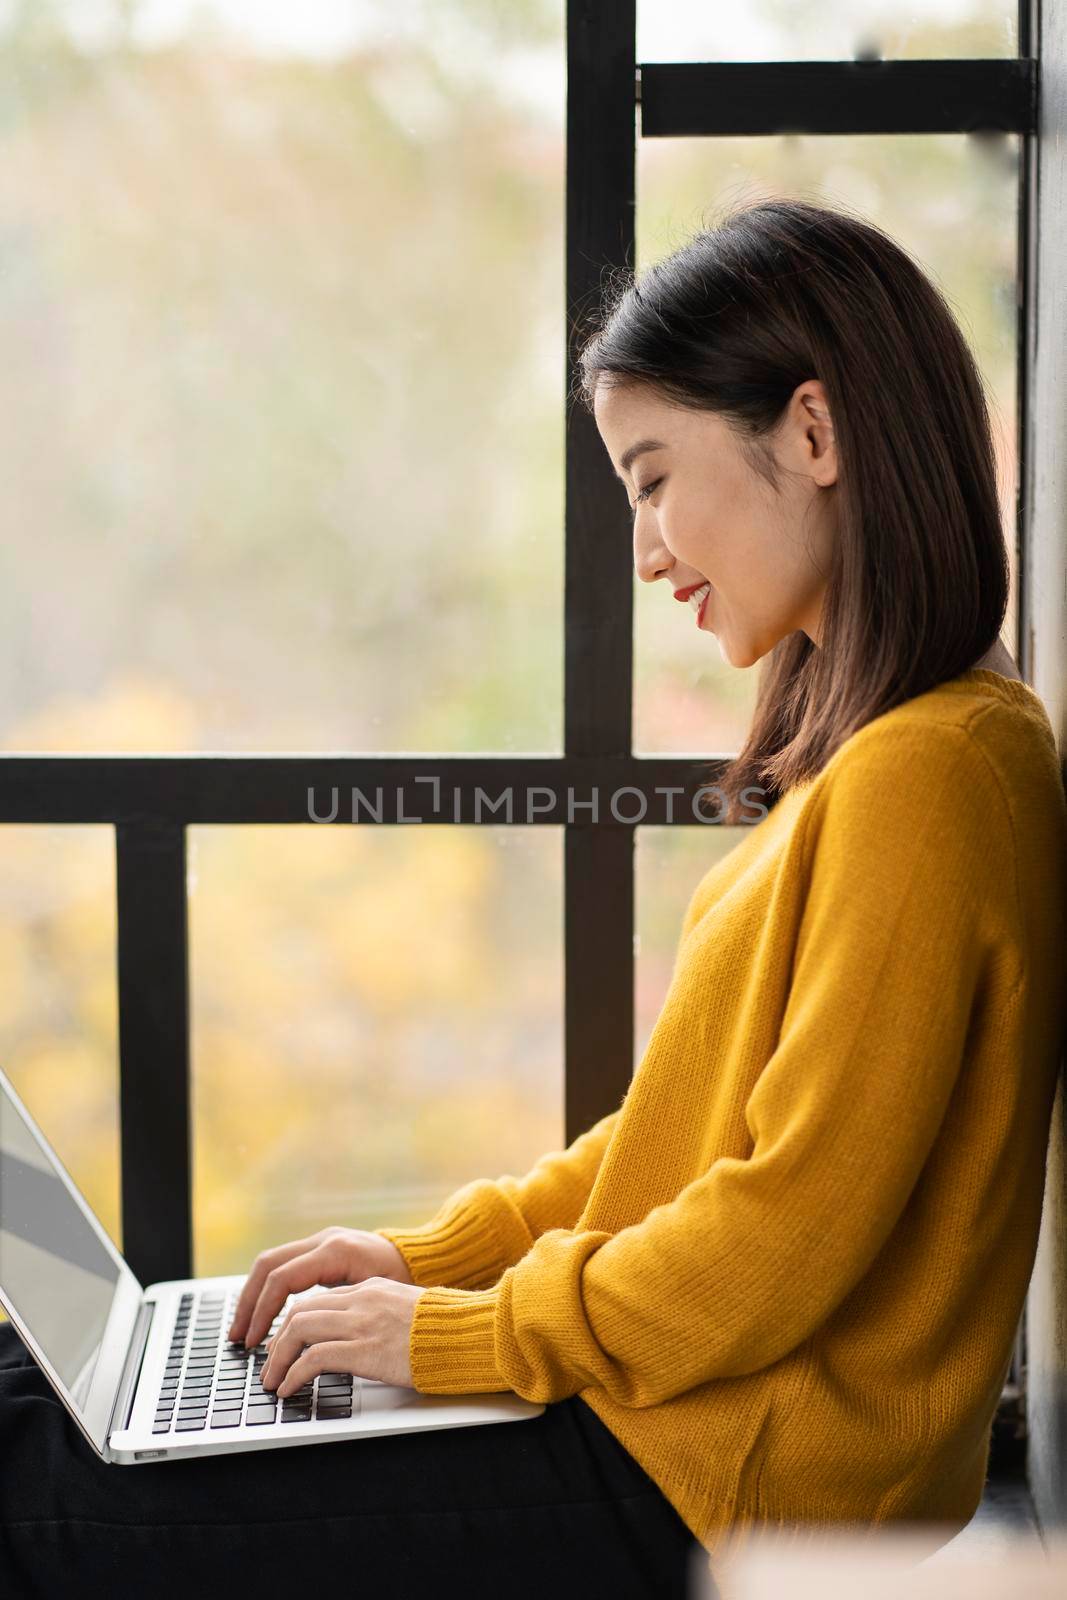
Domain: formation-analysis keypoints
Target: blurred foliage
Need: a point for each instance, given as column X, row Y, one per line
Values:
column 796, row 30
column 283, row 463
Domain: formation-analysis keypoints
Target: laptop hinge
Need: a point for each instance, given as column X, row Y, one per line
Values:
column 121, row 1410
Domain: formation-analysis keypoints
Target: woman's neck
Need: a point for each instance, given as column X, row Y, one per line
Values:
column 997, row 659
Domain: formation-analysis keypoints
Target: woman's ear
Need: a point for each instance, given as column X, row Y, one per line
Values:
column 820, row 450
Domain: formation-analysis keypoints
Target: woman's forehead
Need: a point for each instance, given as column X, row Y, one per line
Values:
column 623, row 402
column 628, row 413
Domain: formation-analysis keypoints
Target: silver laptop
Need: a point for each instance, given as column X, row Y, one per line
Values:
column 148, row 1374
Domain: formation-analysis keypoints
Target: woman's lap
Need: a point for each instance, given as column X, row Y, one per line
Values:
column 510, row 1508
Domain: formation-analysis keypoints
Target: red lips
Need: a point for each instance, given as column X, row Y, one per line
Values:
column 683, row 594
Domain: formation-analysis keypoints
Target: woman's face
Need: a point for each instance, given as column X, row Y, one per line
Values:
column 703, row 514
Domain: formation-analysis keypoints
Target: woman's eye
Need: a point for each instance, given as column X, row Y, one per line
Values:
column 644, row 494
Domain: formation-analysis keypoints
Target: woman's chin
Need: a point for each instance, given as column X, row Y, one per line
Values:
column 732, row 653
column 724, row 650
column 735, row 655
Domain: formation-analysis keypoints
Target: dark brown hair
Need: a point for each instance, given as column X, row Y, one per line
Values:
column 776, row 293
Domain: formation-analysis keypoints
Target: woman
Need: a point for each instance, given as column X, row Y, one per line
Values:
column 781, row 1281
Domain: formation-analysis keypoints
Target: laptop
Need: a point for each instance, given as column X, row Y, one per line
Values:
column 148, row 1374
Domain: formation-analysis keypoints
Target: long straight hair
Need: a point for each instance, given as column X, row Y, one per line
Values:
column 779, row 292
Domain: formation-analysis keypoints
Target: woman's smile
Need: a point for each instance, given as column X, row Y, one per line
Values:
column 699, row 602
column 696, row 595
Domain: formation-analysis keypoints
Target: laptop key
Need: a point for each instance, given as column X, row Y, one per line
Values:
column 255, row 1415
column 225, row 1419
column 190, row 1424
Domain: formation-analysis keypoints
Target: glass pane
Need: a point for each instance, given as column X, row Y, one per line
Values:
column 283, row 343
column 947, row 198
column 377, row 1019
column 833, row 30
column 58, row 998
column 669, row 863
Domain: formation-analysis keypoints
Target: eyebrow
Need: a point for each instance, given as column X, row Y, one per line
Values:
column 636, row 450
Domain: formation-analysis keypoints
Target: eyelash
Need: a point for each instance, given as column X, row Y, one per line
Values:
column 644, row 494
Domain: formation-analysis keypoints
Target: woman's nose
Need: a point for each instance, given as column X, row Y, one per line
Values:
column 651, row 558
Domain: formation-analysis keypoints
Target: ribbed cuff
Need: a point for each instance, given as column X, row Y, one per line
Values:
column 452, row 1342
column 476, row 1236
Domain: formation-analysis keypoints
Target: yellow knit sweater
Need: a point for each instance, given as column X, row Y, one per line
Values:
column 787, row 1271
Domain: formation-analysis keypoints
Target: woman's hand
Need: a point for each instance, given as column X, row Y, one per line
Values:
column 331, row 1256
column 365, row 1330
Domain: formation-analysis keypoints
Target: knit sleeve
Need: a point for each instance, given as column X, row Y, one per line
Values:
column 906, row 883
column 488, row 1224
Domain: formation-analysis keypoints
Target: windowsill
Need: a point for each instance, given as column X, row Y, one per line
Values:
column 1003, row 1523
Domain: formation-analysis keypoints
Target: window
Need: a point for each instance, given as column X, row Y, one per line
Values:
column 285, row 460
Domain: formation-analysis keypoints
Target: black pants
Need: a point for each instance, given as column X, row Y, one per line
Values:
column 551, row 1507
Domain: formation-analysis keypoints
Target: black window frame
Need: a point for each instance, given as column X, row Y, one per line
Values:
column 151, row 800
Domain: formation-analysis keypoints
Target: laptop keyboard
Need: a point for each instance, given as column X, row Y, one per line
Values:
column 210, row 1383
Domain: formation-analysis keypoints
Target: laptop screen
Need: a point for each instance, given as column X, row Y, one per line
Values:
column 55, row 1268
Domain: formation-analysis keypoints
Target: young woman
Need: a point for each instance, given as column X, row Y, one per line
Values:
column 780, row 1283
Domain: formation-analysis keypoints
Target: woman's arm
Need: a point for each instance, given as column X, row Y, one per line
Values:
column 910, row 908
column 488, row 1225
